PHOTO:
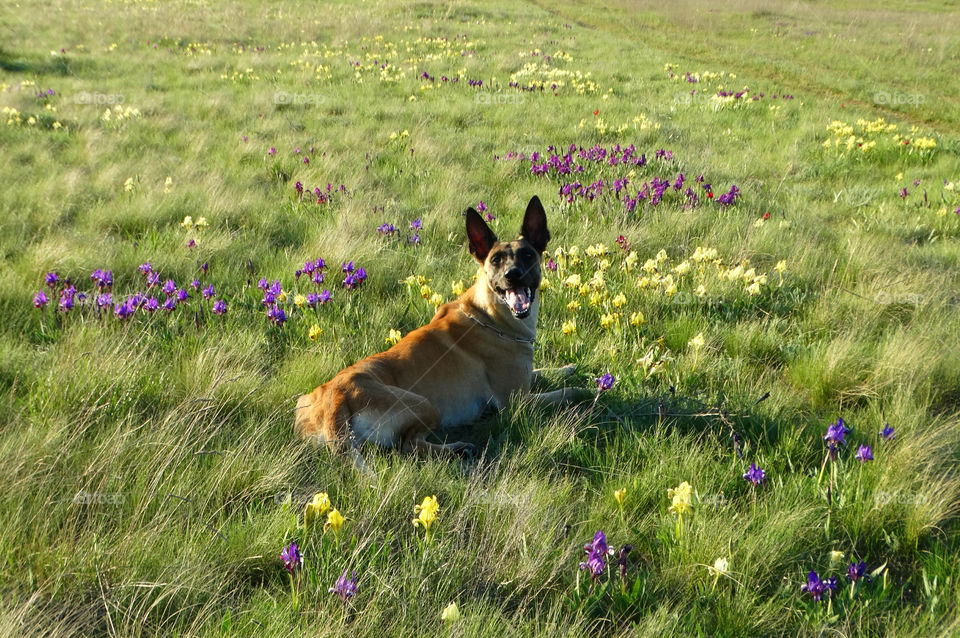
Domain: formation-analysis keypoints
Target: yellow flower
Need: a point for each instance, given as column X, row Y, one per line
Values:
column 701, row 291
column 754, row 288
column 573, row 281
column 573, row 306
column 425, row 291
column 662, row 256
column 436, row 299
column 167, row 184
column 637, row 319
column 282, row 298
column 619, row 301
column 458, row 288
column 187, row 222
column 781, row 266
column 650, row 266
column 426, row 512
column 631, row 261
column 697, row 342
column 315, row 332
column 608, row 320
column 299, row 300
column 335, row 521
column 569, row 327
column 620, row 495
column 836, row 558
column 584, row 290
column 644, row 283
column 393, row 337
column 202, row 223
column 682, row 497
column 128, row 184
column 899, row 177
column 450, row 613
column 316, row 508
column 546, row 285
column 671, row 289
column 596, row 299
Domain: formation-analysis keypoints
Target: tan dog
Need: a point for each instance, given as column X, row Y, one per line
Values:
column 474, row 354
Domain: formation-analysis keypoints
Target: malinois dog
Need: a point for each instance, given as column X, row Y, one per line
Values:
column 474, row 354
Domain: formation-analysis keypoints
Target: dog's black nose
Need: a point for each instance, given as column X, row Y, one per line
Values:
column 513, row 274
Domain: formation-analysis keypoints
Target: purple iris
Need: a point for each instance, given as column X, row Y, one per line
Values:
column 66, row 300
column 345, row 588
column 387, row 229
column 52, row 279
column 262, row 284
column 605, row 382
column 622, row 560
column 151, row 305
column 153, row 279
column 195, row 283
column 291, row 557
column 39, row 300
column 318, row 277
column 103, row 278
column 857, row 571
column 481, row 207
column 836, row 436
column 145, row 268
column 124, row 309
column 208, row 292
column 887, row 432
column 204, row 267
column 347, row 266
column 817, row 588
column 277, row 315
column 169, row 304
column 755, row 475
column 169, row 287
column 551, row 265
column 597, row 552
column 103, row 300
column 416, row 224
column 354, row 278
column 182, row 295
column 220, row 307
column 864, row 454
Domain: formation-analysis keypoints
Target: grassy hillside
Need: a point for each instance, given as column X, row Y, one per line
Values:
column 756, row 230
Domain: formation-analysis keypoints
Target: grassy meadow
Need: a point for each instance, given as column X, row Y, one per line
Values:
column 755, row 211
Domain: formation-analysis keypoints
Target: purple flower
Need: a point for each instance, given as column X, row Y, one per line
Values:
column 836, row 436
column 66, row 302
column 481, row 207
column 605, row 382
column 324, row 297
column 387, row 229
column 192, row 243
column 272, row 151
column 345, row 587
column 857, row 571
column 220, row 307
column 39, row 300
column 415, row 239
column 103, row 278
column 104, row 300
column 416, row 224
column 262, row 284
column 903, row 193
column 195, row 283
column 551, row 265
column 597, row 552
column 864, row 454
column 153, row 279
column 347, row 266
column 151, row 305
column 145, row 268
column 817, row 588
column 277, row 315
column 622, row 560
column 169, row 287
column 182, row 295
column 291, row 557
column 169, row 304
column 755, row 475
column 887, row 432
column 208, row 292
column 124, row 309
column 318, row 277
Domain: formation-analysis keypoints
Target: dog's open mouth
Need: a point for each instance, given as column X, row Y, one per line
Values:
column 518, row 300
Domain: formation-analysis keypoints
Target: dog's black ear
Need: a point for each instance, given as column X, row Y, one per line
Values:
column 534, row 228
column 481, row 237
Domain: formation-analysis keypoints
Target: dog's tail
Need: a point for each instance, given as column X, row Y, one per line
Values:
column 325, row 420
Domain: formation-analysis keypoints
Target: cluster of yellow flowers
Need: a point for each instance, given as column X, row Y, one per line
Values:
column 200, row 224
column 639, row 123
column 118, row 114
column 865, row 135
column 15, row 118
column 427, row 513
column 543, row 76
column 422, row 285
column 316, row 508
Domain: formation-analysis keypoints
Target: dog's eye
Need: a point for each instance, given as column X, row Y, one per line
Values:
column 496, row 259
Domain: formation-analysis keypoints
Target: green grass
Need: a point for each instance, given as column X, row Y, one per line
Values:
column 151, row 473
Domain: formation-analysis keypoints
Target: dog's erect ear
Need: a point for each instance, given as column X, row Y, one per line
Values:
column 534, row 228
column 481, row 237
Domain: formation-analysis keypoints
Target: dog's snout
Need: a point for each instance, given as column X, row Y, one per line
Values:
column 514, row 274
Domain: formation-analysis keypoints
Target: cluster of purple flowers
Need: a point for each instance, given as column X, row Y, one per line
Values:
column 324, row 196
column 730, row 197
column 345, row 587
column 312, row 269
column 126, row 308
column 819, row 588
column 387, row 229
column 354, row 276
column 755, row 475
column 605, row 382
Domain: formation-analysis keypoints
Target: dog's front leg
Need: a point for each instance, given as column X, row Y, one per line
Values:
column 562, row 397
column 563, row 373
column 419, row 445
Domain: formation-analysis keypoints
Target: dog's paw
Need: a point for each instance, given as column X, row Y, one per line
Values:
column 467, row 450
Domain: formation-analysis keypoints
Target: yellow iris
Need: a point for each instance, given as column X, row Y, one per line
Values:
column 315, row 332
column 335, row 521
column 569, row 327
column 620, row 495
column 426, row 513
column 393, row 337
column 682, row 499
column 316, row 508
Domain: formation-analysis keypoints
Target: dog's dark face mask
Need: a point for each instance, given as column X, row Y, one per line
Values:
column 512, row 268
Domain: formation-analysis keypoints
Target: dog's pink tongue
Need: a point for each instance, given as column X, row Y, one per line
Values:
column 517, row 300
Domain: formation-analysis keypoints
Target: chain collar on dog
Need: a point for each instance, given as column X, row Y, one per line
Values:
column 500, row 333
